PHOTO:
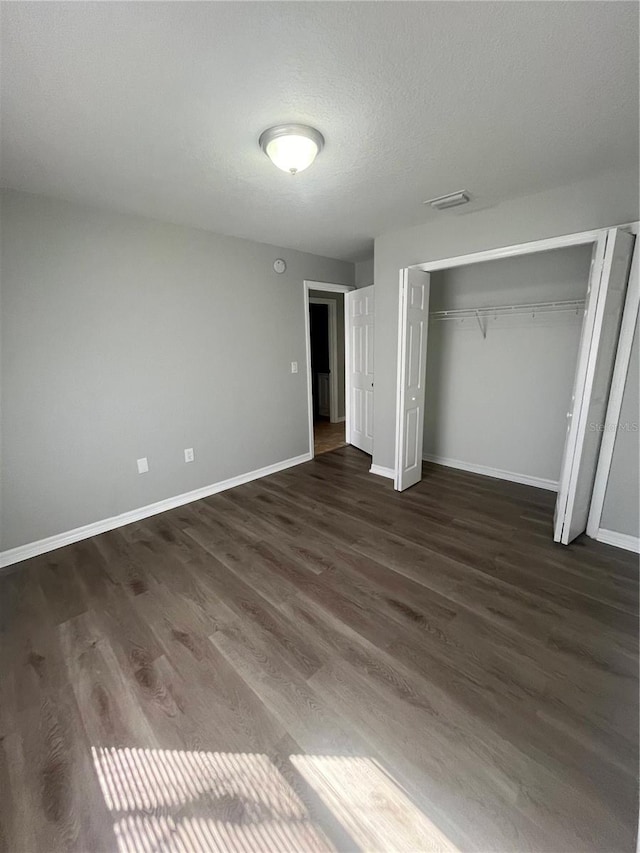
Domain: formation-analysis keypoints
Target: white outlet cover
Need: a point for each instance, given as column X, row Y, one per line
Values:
column 143, row 465
column 294, row 366
column 188, row 454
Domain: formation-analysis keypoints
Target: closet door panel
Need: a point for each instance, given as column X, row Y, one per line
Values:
column 618, row 383
column 412, row 369
column 603, row 314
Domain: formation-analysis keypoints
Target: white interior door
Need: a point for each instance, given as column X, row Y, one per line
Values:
column 600, row 330
column 360, row 328
column 412, row 369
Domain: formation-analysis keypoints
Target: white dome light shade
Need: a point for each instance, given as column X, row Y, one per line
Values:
column 292, row 147
column 292, row 153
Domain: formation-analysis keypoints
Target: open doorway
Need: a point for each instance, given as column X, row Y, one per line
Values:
column 325, row 324
column 326, row 337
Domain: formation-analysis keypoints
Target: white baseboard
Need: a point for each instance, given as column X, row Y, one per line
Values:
column 51, row 543
column 620, row 540
column 498, row 473
column 339, row 420
column 381, row 471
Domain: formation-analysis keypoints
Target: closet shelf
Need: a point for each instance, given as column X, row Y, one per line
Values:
column 533, row 308
column 523, row 308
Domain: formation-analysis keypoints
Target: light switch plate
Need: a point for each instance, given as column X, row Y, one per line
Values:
column 188, row 454
column 294, row 366
column 143, row 465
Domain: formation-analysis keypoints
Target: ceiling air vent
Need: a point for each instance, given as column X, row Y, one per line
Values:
column 444, row 202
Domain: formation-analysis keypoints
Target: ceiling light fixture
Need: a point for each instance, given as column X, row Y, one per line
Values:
column 291, row 147
column 451, row 200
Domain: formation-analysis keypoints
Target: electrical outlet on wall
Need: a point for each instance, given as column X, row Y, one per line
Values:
column 294, row 366
column 188, row 454
column 143, row 465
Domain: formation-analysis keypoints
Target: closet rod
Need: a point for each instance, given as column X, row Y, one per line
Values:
column 529, row 308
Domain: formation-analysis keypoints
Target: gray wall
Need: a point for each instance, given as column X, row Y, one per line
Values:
column 338, row 298
column 604, row 200
column 621, row 511
column 124, row 337
column 364, row 273
column 501, row 401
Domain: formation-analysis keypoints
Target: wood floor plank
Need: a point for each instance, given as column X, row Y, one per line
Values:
column 55, row 790
column 315, row 661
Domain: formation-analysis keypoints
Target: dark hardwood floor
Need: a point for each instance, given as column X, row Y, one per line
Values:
column 313, row 661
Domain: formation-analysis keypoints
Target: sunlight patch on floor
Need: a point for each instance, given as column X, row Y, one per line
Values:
column 197, row 801
column 202, row 801
column 373, row 809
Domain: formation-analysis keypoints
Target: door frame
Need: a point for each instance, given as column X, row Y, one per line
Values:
column 595, row 237
column 327, row 287
column 333, row 353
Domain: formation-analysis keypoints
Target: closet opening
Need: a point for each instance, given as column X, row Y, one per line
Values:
column 505, row 360
column 502, row 349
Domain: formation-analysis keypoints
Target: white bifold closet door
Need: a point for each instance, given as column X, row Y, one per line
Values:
column 596, row 355
column 360, row 311
column 412, row 369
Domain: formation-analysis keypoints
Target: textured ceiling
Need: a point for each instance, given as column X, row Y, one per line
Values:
column 156, row 108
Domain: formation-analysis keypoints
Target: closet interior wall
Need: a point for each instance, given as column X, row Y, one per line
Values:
column 498, row 386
